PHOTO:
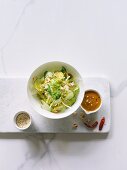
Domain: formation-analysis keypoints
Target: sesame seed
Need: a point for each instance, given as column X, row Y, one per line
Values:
column 23, row 120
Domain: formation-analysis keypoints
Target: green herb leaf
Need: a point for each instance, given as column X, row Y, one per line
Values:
column 45, row 73
column 56, row 95
column 63, row 69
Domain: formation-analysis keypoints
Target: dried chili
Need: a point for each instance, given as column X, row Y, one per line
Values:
column 101, row 123
column 91, row 126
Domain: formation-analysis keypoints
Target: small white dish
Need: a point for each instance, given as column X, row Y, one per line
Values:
column 94, row 111
column 53, row 66
column 15, row 120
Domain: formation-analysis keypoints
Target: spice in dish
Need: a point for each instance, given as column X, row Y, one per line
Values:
column 23, row 120
column 91, row 100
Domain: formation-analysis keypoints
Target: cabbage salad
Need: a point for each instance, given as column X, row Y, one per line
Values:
column 56, row 90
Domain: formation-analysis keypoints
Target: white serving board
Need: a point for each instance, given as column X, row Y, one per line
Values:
column 13, row 98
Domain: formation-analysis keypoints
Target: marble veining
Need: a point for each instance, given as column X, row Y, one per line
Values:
column 43, row 149
column 10, row 37
column 121, row 87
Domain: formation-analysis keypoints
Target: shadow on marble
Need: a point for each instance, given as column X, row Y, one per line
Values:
column 81, row 137
column 23, row 135
column 61, row 137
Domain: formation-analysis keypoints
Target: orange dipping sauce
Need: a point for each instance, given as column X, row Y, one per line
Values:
column 91, row 100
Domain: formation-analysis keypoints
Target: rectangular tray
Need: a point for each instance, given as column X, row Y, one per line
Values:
column 13, row 94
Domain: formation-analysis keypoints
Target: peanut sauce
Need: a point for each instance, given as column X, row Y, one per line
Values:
column 91, row 100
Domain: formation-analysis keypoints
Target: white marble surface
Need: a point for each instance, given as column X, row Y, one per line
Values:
column 88, row 34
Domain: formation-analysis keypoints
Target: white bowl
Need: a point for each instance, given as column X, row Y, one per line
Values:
column 53, row 66
column 21, row 128
column 94, row 111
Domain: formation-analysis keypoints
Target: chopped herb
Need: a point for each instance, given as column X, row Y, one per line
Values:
column 45, row 73
column 56, row 95
column 63, row 69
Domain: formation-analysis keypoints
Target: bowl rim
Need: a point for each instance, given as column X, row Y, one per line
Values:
column 59, row 115
column 94, row 111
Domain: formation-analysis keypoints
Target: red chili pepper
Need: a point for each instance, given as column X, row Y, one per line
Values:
column 91, row 126
column 101, row 123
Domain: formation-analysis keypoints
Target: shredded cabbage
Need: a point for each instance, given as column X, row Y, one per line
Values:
column 56, row 90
